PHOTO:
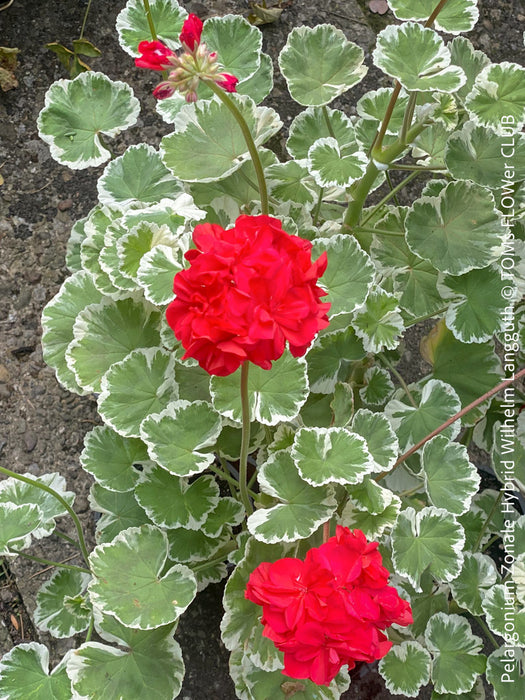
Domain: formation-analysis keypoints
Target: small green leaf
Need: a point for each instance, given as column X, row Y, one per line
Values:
column 456, row 657
column 24, row 674
column 406, row 668
column 378, row 322
column 370, row 496
column 429, row 539
column 237, row 43
column 311, row 125
column 177, row 437
column 133, row 27
column 61, row 608
column 128, row 582
column 378, row 387
column 380, row 438
column 500, row 604
column 505, row 671
column 319, row 64
column 418, row 58
column 110, row 458
column 77, row 111
column 16, row 525
column 374, row 104
column 120, row 510
column 288, row 182
column 155, row 274
column 373, row 525
column 259, row 85
column 330, row 357
column 471, row 61
column 497, row 99
column 477, row 577
column 457, row 15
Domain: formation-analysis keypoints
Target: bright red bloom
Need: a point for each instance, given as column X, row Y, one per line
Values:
column 247, row 292
column 227, row 82
column 191, row 32
column 155, row 55
column 329, row 610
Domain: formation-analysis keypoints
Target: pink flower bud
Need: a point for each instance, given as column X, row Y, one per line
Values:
column 191, row 32
column 227, row 82
column 155, row 55
column 163, row 90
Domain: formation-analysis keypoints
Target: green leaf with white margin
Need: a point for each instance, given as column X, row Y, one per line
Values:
column 418, row 58
column 374, row 104
column 20, row 493
column 380, row 438
column 128, row 582
column 329, row 359
column 497, row 99
column 16, row 525
column 476, row 579
column 437, row 403
column 274, row 395
column 349, row 273
column 150, row 664
column 371, row 524
column 105, row 333
column 319, row 64
column 506, row 671
column 310, row 125
column 469, row 59
column 100, row 227
column 457, row 231
column 429, row 146
column 137, row 178
column 132, row 246
column 24, row 674
column 61, row 606
column 378, row 323
column 370, row 496
column 303, row 508
column 476, row 306
column 331, row 455
column 288, row 182
column 500, row 605
column 193, row 381
column 133, row 27
column 504, row 445
column 77, row 235
column 111, row 458
column 177, row 437
column 457, row 16
column 228, row 511
column 259, row 85
column 429, row 539
column 109, row 261
column 77, row 111
column 155, row 274
column 475, row 153
column 195, row 546
column 332, row 165
column 58, row 318
column 378, row 387
column 119, row 511
column 208, row 144
column 141, row 384
column 456, row 657
column 450, row 479
column 406, row 668
column 173, row 502
column 237, row 43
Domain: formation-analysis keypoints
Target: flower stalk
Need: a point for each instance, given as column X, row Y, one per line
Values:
column 245, row 439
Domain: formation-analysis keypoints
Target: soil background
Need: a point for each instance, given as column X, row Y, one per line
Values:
column 41, row 425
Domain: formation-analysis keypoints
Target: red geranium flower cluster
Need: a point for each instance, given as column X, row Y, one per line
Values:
column 248, row 291
column 193, row 64
column 330, row 609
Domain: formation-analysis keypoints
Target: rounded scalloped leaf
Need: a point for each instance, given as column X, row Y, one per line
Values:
column 16, row 525
column 151, row 666
column 120, row 510
column 310, row 126
column 378, row 323
column 406, row 668
column 497, row 99
column 58, row 318
column 111, row 458
column 456, row 657
column 137, row 178
column 24, row 673
column 477, row 153
column 374, row 104
column 429, row 539
column 457, row 231
column 141, row 239
column 455, row 17
column 499, row 604
column 373, row 525
column 155, row 274
column 238, row 44
column 329, row 357
column 451, row 480
column 141, row 384
column 128, row 582
column 195, row 546
column 437, row 403
column 208, row 144
column 370, row 496
column 418, row 58
column 172, row 502
column 332, row 165
column 290, row 182
column 331, row 455
column 133, row 27
column 477, row 577
column 380, row 438
column 61, row 608
column 259, row 85
column 177, row 437
column 104, row 334
column 303, row 509
column 378, row 387
column 319, row 64
column 349, row 273
column 77, row 111
column 506, row 671
column 275, row 395
column 472, row 62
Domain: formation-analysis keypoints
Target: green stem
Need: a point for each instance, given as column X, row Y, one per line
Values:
column 315, row 213
column 418, row 168
column 86, row 13
column 425, row 317
column 67, row 538
column 379, row 231
column 49, row 562
column 493, row 539
column 328, row 122
column 489, row 518
column 390, row 184
column 229, row 547
column 489, row 634
column 63, row 502
column 388, row 115
column 398, row 377
column 147, row 10
column 223, row 474
column 388, row 197
column 245, row 439
column 252, row 148
column 90, row 629
column 409, row 115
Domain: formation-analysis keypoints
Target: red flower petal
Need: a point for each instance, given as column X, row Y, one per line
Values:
column 191, row 32
column 154, row 56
